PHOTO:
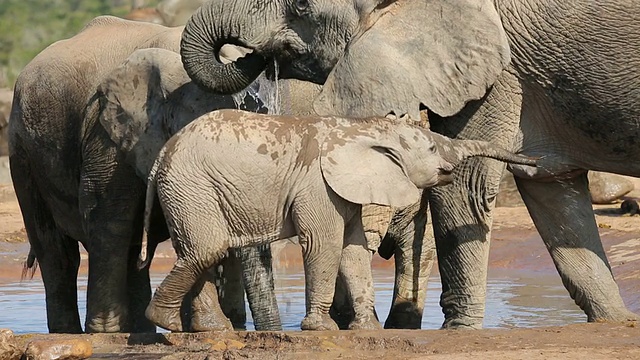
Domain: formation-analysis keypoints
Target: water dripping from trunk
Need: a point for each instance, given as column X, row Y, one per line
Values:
column 264, row 96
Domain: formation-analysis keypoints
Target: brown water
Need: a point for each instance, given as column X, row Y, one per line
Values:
column 514, row 299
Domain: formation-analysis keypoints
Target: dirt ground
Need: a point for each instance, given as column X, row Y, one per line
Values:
column 515, row 245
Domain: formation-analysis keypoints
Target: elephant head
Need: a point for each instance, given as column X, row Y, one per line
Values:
column 389, row 170
column 376, row 56
column 146, row 100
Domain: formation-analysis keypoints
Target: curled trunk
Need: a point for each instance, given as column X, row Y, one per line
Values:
column 213, row 25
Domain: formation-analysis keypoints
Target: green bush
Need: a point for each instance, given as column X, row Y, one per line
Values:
column 28, row 26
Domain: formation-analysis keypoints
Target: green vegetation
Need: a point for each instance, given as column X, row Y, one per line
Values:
column 28, row 26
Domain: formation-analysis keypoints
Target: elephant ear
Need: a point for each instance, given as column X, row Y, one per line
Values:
column 363, row 171
column 131, row 100
column 436, row 53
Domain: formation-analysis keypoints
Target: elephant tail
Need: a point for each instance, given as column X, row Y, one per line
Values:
column 29, row 266
column 143, row 259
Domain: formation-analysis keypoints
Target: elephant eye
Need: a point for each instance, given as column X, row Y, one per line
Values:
column 301, row 5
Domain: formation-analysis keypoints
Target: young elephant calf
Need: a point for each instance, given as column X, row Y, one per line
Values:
column 233, row 179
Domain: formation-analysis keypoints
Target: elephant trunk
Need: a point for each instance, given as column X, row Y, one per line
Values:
column 455, row 151
column 220, row 22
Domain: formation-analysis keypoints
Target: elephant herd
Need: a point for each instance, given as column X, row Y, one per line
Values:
column 102, row 127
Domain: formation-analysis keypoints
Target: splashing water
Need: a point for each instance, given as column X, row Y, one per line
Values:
column 263, row 95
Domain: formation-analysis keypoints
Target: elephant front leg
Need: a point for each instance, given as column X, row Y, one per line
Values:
column 321, row 235
column 563, row 214
column 414, row 253
column 111, row 202
column 355, row 268
column 111, row 225
column 462, row 222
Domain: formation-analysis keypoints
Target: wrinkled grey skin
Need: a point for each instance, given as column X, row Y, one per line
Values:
column 76, row 184
column 568, row 94
column 233, row 179
column 137, row 107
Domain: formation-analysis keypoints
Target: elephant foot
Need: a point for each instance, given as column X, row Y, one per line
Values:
column 622, row 315
column 144, row 327
column 107, row 323
column 404, row 315
column 318, row 322
column 365, row 323
column 210, row 321
column 166, row 317
column 460, row 324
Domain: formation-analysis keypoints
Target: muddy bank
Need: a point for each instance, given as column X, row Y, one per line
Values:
column 593, row 341
column 516, row 249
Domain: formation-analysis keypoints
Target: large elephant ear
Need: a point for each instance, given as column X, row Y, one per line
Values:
column 363, row 171
column 438, row 53
column 131, row 99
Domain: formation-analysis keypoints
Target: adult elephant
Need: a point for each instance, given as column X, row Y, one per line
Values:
column 549, row 78
column 73, row 185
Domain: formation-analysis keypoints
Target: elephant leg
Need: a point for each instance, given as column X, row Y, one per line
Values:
column 138, row 280
column 414, row 253
column 112, row 211
column 341, row 310
column 257, row 277
column 58, row 255
column 191, row 231
column 228, row 275
column 461, row 212
column 563, row 214
column 320, row 228
column 210, row 310
column 355, row 269
column 139, row 290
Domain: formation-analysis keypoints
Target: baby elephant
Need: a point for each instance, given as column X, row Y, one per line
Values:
column 233, row 178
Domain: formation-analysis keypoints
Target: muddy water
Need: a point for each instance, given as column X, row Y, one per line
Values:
column 514, row 299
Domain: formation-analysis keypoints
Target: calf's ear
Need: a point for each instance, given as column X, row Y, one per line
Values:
column 363, row 171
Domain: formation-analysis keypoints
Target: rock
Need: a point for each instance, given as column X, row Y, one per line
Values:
column 71, row 349
column 8, row 348
column 607, row 188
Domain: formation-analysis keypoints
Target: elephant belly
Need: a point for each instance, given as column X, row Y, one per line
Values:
column 569, row 139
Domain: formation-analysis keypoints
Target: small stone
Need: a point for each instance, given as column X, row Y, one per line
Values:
column 8, row 348
column 73, row 349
